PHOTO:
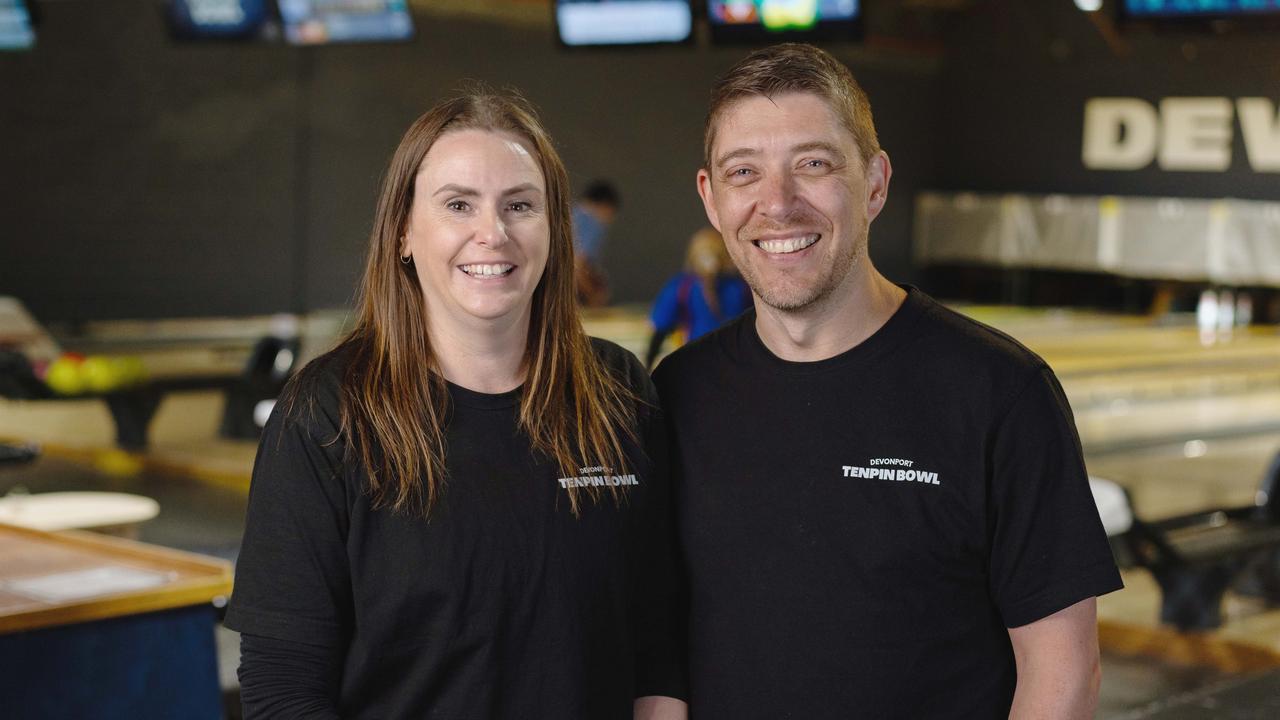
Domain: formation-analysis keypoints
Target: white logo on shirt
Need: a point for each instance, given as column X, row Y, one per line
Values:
column 597, row 477
column 891, row 469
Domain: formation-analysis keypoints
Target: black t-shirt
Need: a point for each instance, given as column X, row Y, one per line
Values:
column 861, row 531
column 501, row 604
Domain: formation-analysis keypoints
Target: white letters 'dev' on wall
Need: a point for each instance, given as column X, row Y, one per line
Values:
column 1181, row 134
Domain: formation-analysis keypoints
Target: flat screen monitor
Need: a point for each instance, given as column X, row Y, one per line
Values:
column 768, row 20
column 16, row 31
column 623, row 22
column 218, row 19
column 316, row 22
column 1197, row 9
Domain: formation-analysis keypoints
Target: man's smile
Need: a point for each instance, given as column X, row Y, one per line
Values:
column 787, row 245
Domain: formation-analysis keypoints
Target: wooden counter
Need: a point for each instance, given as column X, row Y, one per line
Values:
column 99, row 628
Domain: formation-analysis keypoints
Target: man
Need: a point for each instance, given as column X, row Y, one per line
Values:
column 884, row 507
column 594, row 212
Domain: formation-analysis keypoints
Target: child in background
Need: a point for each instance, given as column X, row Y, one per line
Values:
column 684, row 305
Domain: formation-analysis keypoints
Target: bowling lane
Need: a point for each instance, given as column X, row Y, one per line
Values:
column 1122, row 425
column 1184, row 477
column 1089, row 390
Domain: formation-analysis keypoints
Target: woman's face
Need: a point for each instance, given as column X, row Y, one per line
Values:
column 478, row 229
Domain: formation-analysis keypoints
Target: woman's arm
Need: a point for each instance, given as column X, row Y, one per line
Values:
column 292, row 599
column 284, row 679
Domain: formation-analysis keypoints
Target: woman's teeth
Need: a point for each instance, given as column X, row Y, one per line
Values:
column 487, row 270
column 788, row 245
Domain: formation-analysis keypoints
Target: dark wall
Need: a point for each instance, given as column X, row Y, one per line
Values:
column 139, row 178
column 1014, row 89
column 145, row 178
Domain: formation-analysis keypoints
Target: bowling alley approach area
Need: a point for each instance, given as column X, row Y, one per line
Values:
column 198, row 198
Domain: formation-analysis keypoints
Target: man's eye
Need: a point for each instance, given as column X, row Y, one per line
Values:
column 740, row 172
column 816, row 163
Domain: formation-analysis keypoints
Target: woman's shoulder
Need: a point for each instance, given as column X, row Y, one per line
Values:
column 624, row 365
column 312, row 397
column 615, row 357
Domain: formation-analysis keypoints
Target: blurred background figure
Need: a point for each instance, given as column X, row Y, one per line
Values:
column 594, row 212
column 699, row 298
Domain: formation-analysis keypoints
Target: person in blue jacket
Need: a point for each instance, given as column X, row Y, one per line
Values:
column 684, row 305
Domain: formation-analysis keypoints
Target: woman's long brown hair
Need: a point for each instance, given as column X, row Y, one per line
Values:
column 394, row 402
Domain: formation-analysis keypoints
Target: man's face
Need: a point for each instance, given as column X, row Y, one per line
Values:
column 789, row 191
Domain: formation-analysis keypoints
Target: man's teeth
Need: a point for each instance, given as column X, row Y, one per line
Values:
column 788, row 245
column 487, row 270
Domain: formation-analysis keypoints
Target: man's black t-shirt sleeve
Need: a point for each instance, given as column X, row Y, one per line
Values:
column 1048, row 548
column 292, row 578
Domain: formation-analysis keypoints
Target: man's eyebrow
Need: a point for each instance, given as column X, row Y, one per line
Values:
column 802, row 147
column 734, row 155
column 818, row 145
column 456, row 190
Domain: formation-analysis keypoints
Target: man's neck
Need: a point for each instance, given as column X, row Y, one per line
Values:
column 487, row 358
column 842, row 320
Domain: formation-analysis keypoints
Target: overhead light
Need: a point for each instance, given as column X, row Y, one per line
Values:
column 1089, row 5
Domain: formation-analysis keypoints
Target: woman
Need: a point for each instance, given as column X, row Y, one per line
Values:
column 701, row 298
column 462, row 511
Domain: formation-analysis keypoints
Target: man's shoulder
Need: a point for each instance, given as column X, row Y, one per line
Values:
column 704, row 354
column 969, row 345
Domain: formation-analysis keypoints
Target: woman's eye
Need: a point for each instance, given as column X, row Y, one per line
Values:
column 816, row 163
column 457, row 205
column 520, row 206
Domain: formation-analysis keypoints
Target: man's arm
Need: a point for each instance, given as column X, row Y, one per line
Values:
column 1058, row 668
column 658, row 707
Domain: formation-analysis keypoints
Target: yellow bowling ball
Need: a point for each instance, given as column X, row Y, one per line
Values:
column 64, row 376
column 101, row 373
column 135, row 373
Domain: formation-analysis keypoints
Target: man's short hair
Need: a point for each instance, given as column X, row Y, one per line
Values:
column 602, row 192
column 795, row 67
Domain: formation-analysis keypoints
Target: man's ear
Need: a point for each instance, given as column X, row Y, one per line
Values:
column 879, row 170
column 708, row 198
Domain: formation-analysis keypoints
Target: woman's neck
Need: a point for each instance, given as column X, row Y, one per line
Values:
column 486, row 357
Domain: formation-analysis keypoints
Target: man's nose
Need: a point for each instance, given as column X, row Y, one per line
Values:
column 777, row 194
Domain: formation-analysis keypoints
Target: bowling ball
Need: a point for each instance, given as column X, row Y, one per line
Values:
column 134, row 371
column 118, row 463
column 101, row 373
column 64, row 376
